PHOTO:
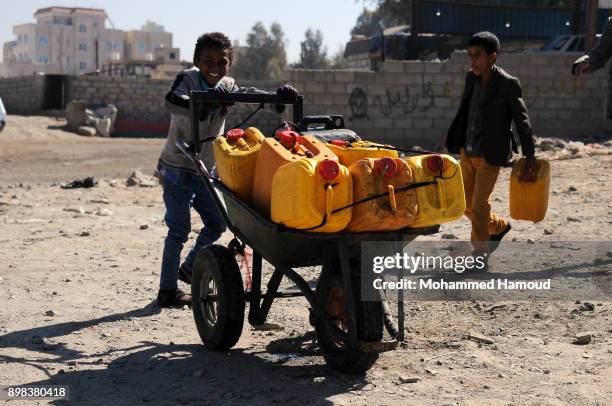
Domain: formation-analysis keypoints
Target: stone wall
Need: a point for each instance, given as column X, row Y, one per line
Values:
column 404, row 103
column 141, row 101
column 413, row 102
column 23, row 95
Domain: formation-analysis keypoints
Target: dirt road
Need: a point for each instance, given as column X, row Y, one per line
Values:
column 79, row 270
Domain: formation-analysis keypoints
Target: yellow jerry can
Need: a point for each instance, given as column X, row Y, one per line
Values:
column 443, row 201
column 235, row 157
column 274, row 154
column 529, row 197
column 350, row 152
column 306, row 191
column 396, row 209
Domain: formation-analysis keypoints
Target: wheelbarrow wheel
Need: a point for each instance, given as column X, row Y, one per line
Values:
column 218, row 299
column 333, row 335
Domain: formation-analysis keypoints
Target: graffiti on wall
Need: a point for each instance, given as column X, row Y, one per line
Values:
column 559, row 87
column 408, row 101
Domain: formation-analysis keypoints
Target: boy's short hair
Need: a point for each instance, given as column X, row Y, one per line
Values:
column 213, row 40
column 487, row 40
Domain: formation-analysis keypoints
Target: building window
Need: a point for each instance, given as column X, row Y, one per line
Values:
column 141, row 48
column 172, row 55
column 117, row 46
column 43, row 59
column 82, row 28
column 82, row 65
column 44, row 41
column 57, row 20
column 25, row 38
column 82, row 47
column 109, row 46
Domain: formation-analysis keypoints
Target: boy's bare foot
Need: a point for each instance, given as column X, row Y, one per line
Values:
column 498, row 237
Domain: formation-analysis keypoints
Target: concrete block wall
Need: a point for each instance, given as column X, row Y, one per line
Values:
column 136, row 99
column 23, row 94
column 139, row 99
column 413, row 103
column 406, row 103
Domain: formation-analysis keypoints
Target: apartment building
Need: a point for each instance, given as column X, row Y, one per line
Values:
column 76, row 40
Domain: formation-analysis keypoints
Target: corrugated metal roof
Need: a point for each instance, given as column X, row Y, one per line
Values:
column 506, row 22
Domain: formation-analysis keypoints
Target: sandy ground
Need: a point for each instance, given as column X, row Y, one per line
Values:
column 79, row 270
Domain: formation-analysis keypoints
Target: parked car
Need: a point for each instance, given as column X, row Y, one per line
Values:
column 566, row 43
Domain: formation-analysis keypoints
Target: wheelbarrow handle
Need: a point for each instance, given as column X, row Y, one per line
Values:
column 204, row 96
column 199, row 97
column 193, row 157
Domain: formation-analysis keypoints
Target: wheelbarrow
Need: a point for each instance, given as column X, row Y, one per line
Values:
column 350, row 331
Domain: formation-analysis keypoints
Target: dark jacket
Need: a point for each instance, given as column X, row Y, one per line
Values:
column 502, row 103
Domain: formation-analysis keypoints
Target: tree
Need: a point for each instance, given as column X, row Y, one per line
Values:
column 266, row 57
column 313, row 54
column 368, row 23
column 337, row 60
column 388, row 13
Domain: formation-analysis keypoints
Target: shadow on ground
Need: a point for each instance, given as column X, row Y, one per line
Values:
column 161, row 374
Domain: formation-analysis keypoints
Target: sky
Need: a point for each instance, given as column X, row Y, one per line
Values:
column 186, row 19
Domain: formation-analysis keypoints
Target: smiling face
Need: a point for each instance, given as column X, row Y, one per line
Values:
column 213, row 64
column 480, row 61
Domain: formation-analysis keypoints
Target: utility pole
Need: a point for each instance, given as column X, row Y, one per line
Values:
column 577, row 18
column 97, row 45
column 591, row 23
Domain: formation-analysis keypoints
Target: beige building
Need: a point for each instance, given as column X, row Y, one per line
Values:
column 67, row 40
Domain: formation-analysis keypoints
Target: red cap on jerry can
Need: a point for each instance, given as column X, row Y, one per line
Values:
column 288, row 138
column 386, row 166
column 235, row 134
column 328, row 169
column 434, row 163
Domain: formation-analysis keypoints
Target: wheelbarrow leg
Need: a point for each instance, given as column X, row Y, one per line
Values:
column 258, row 311
column 401, row 314
column 400, row 309
column 273, row 285
column 349, row 297
column 255, row 298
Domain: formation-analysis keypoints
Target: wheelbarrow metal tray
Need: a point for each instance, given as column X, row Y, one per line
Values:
column 288, row 248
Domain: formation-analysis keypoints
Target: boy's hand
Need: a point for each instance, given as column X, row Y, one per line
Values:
column 221, row 91
column 288, row 92
column 529, row 170
column 581, row 65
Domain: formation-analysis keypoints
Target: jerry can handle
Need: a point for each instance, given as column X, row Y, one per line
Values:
column 392, row 200
column 242, row 144
column 441, row 192
column 329, row 200
column 526, row 178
